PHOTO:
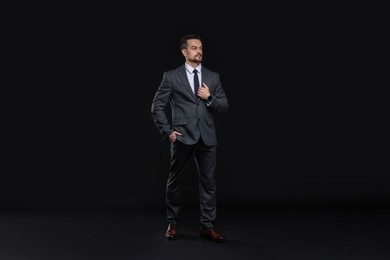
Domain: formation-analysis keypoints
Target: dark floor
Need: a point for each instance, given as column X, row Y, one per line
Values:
column 278, row 232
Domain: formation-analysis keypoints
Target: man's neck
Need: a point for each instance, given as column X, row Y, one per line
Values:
column 193, row 64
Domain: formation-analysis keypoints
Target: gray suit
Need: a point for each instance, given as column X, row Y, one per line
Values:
column 193, row 117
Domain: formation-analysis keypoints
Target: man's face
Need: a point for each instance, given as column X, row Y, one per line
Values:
column 194, row 50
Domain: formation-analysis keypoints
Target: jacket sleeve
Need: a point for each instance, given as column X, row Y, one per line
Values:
column 219, row 101
column 159, row 104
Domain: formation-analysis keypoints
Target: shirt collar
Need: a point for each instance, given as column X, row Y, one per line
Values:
column 190, row 69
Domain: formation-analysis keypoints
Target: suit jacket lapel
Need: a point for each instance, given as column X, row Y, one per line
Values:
column 205, row 77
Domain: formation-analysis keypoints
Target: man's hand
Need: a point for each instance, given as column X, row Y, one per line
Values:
column 173, row 136
column 203, row 91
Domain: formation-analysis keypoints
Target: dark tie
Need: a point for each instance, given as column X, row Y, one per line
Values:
column 196, row 82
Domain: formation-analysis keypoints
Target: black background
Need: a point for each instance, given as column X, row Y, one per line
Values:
column 79, row 127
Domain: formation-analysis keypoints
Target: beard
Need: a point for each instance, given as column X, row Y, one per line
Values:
column 197, row 58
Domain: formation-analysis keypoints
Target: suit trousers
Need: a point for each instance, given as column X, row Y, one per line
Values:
column 182, row 155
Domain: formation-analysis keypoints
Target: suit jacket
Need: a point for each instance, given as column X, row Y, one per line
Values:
column 191, row 116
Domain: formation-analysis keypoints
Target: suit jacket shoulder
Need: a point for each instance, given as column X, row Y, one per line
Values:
column 181, row 68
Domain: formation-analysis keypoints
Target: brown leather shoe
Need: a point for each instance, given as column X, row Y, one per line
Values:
column 171, row 232
column 211, row 234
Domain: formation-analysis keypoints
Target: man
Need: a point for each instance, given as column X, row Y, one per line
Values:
column 194, row 93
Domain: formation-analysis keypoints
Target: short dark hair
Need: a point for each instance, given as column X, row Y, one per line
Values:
column 185, row 38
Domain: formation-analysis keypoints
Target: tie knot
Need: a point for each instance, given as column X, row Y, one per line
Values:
column 195, row 71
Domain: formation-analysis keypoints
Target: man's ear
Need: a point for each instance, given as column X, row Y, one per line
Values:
column 184, row 52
